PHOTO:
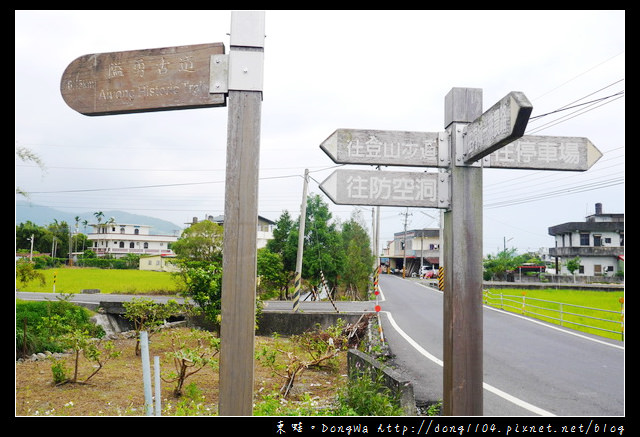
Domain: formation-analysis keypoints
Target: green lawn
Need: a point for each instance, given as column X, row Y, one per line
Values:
column 74, row 280
column 594, row 312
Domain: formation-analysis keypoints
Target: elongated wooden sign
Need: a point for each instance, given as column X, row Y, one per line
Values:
column 141, row 80
column 375, row 147
column 387, row 188
column 501, row 124
column 546, row 153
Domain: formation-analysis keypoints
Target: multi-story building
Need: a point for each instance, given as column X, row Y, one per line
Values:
column 598, row 242
column 264, row 232
column 417, row 248
column 118, row 240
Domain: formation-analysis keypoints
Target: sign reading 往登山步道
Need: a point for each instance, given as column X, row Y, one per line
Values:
column 142, row 80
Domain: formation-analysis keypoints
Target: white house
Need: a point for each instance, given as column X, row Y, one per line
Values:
column 158, row 263
column 118, row 240
column 264, row 231
column 598, row 242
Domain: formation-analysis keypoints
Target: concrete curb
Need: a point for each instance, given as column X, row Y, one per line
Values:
column 359, row 363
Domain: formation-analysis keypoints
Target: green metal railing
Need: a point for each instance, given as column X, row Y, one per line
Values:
column 578, row 317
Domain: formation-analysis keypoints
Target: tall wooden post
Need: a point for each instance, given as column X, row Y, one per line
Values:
column 241, row 215
column 462, row 331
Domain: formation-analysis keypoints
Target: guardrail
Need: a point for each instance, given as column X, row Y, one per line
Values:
column 559, row 311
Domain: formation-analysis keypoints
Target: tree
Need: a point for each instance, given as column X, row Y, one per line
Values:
column 24, row 232
column 148, row 315
column 573, row 264
column 203, row 282
column 270, row 271
column 285, row 245
column 200, row 242
column 323, row 251
column 281, row 232
column 358, row 259
column 26, row 272
column 496, row 267
column 26, row 155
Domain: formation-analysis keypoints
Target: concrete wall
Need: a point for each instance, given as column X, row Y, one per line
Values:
column 290, row 323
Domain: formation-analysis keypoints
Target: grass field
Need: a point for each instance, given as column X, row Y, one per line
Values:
column 594, row 312
column 74, row 280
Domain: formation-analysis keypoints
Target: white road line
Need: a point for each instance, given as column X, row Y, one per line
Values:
column 439, row 362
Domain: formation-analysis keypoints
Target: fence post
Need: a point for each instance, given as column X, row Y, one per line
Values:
column 622, row 318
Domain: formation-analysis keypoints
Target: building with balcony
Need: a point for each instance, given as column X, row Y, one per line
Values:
column 413, row 249
column 264, row 231
column 118, row 240
column 598, row 242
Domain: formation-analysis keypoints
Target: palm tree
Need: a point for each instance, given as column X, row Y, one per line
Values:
column 84, row 240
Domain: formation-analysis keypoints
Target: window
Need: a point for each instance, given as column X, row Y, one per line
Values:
column 146, row 245
column 597, row 240
column 122, row 229
column 584, row 239
column 121, row 245
column 131, row 245
column 136, row 231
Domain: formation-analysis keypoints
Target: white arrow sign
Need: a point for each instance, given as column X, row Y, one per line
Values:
column 375, row 147
column 545, row 153
column 387, row 188
column 503, row 123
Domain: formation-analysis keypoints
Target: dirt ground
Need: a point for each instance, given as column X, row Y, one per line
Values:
column 118, row 389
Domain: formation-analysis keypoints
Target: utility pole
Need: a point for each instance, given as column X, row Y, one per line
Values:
column 303, row 218
column 404, row 242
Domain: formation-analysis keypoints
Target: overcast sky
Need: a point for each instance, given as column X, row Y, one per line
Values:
column 324, row 70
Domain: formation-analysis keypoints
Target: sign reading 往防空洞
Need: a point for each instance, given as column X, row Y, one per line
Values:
column 142, row 80
column 387, row 188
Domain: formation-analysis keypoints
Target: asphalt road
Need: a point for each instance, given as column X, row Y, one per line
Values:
column 530, row 368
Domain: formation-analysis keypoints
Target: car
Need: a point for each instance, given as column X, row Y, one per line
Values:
column 427, row 273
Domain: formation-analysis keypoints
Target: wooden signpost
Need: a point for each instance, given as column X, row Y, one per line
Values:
column 201, row 76
column 471, row 140
column 141, row 80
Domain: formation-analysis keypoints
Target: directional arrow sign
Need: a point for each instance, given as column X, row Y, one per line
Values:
column 375, row 147
column 392, row 188
column 141, row 80
column 503, row 123
column 546, row 153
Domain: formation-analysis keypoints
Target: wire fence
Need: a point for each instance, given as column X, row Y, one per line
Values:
column 583, row 318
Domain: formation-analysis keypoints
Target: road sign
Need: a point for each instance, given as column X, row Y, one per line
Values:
column 141, row 80
column 501, row 124
column 376, row 147
column 387, row 188
column 545, row 153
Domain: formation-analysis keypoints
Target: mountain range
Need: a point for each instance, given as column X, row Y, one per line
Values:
column 44, row 216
